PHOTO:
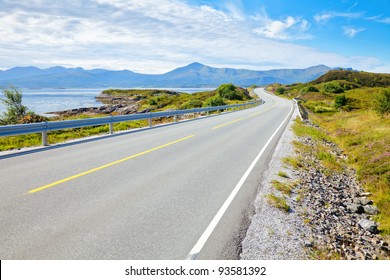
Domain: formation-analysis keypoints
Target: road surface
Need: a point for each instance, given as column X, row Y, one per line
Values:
column 161, row 193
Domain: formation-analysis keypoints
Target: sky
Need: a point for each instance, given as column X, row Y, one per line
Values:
column 156, row 36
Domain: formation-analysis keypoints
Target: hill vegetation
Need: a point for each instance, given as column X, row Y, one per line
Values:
column 138, row 100
column 353, row 108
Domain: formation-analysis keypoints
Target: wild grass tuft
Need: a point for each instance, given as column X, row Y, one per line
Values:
column 278, row 202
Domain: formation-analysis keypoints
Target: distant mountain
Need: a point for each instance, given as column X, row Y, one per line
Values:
column 192, row 75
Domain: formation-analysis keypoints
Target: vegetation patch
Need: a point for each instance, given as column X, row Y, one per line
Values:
column 358, row 121
column 278, row 202
column 282, row 187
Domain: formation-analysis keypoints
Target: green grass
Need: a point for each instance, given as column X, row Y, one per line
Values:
column 282, row 187
column 282, row 174
column 278, row 202
column 294, row 162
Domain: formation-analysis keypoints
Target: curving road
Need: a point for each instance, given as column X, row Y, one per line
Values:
column 161, row 193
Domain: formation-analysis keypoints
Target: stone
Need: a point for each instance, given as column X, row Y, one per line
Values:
column 368, row 225
column 365, row 201
column 371, row 210
column 365, row 194
column 355, row 208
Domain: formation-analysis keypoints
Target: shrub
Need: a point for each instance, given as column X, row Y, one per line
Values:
column 15, row 110
column 382, row 102
column 340, row 101
column 333, row 87
column 193, row 103
column 230, row 92
column 310, row 89
column 214, row 101
column 280, row 90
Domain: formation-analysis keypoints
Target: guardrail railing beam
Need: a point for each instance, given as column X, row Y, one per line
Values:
column 45, row 127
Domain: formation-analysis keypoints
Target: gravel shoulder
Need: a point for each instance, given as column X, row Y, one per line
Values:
column 329, row 216
column 273, row 233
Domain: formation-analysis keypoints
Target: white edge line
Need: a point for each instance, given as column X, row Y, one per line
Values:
column 209, row 230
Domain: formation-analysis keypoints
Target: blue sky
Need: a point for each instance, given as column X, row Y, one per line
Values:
column 155, row 36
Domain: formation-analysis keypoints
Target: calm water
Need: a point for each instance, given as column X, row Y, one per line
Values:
column 42, row 101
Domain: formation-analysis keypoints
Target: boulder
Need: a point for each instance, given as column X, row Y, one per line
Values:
column 371, row 210
column 369, row 225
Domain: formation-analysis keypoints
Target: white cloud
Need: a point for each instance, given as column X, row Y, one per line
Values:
column 153, row 37
column 352, row 32
column 385, row 20
column 286, row 29
column 326, row 16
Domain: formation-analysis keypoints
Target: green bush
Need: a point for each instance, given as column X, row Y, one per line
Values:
column 214, row 101
column 340, row 101
column 15, row 110
column 310, row 89
column 280, row 90
column 382, row 102
column 230, row 92
column 332, row 87
column 193, row 103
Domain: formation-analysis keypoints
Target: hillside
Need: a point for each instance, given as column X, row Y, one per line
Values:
column 345, row 104
column 364, row 79
column 192, row 75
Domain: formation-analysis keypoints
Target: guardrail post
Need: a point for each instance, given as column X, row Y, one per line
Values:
column 150, row 122
column 175, row 118
column 44, row 136
column 111, row 126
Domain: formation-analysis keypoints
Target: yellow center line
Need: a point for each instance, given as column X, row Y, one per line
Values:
column 237, row 120
column 106, row 165
column 258, row 113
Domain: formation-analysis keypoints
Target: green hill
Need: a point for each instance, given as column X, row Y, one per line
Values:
column 363, row 79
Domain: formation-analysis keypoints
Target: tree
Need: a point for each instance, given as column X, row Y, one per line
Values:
column 15, row 110
column 382, row 102
column 214, row 101
column 280, row 90
column 340, row 101
column 333, row 87
column 229, row 91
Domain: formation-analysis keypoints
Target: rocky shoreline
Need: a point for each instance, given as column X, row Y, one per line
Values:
column 330, row 217
column 116, row 105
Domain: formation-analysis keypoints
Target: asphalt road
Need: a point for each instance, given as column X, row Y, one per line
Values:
column 145, row 195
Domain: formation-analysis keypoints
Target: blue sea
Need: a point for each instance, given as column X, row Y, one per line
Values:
column 42, row 101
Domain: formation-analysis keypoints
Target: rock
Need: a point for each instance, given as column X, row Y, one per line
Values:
column 355, row 208
column 371, row 210
column 365, row 194
column 309, row 244
column 365, row 201
column 368, row 225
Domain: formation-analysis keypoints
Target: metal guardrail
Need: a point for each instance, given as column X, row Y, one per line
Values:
column 44, row 127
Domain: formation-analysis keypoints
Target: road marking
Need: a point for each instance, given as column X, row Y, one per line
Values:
column 106, row 165
column 209, row 230
column 237, row 120
column 258, row 113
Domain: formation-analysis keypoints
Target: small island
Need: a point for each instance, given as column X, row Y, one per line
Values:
column 133, row 101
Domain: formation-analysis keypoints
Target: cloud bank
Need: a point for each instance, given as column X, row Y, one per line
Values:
column 156, row 36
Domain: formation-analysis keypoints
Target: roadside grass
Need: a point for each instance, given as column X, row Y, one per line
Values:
column 60, row 136
column 285, row 188
column 365, row 138
column 283, row 174
column 296, row 162
column 278, row 202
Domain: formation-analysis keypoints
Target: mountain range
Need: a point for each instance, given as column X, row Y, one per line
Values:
column 192, row 75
